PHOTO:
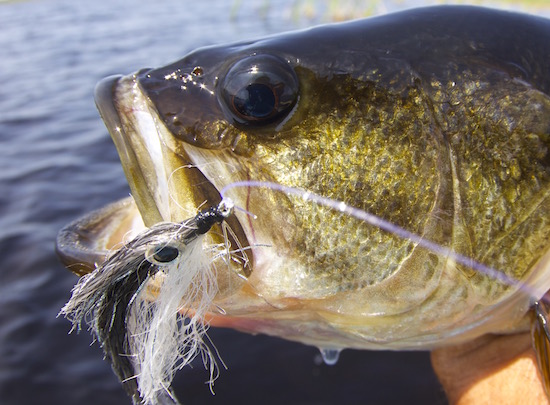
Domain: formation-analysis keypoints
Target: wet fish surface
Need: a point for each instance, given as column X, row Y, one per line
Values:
column 436, row 120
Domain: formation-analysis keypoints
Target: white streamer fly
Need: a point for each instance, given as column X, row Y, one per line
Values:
column 147, row 332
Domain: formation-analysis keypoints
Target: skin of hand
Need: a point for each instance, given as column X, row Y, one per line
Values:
column 493, row 369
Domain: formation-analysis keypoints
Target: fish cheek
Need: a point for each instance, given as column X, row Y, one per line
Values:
column 353, row 146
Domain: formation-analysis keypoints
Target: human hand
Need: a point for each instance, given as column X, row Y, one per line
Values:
column 493, row 369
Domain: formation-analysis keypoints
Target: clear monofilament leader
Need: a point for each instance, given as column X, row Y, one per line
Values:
column 167, row 333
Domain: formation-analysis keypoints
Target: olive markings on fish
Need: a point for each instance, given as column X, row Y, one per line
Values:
column 436, row 120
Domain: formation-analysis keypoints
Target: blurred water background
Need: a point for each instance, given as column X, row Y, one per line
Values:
column 57, row 162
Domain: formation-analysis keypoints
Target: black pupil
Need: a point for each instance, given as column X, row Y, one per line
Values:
column 255, row 100
column 165, row 254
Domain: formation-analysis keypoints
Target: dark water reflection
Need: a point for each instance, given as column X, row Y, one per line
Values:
column 57, row 162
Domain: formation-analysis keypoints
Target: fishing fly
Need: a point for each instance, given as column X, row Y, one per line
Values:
column 147, row 302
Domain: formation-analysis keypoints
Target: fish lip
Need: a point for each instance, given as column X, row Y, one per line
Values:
column 104, row 100
column 86, row 242
column 107, row 105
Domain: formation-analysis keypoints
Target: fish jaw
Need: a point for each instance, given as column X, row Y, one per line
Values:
column 146, row 161
column 85, row 243
column 165, row 183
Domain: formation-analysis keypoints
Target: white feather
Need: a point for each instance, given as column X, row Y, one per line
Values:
column 167, row 333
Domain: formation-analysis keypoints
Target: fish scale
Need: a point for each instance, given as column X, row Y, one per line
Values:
column 325, row 163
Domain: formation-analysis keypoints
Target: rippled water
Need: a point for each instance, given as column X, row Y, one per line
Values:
column 57, row 162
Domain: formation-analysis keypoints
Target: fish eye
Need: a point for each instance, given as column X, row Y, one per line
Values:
column 258, row 90
column 163, row 254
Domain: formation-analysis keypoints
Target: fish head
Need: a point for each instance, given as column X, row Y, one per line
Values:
column 381, row 115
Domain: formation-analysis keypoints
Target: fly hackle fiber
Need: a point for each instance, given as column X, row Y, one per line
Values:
column 146, row 305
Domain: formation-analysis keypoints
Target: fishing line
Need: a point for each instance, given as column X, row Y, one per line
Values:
column 383, row 224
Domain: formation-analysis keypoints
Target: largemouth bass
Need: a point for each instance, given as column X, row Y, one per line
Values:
column 436, row 120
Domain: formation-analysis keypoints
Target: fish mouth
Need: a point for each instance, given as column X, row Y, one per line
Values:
column 163, row 173
column 169, row 179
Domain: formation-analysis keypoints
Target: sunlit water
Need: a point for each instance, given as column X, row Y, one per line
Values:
column 57, row 162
